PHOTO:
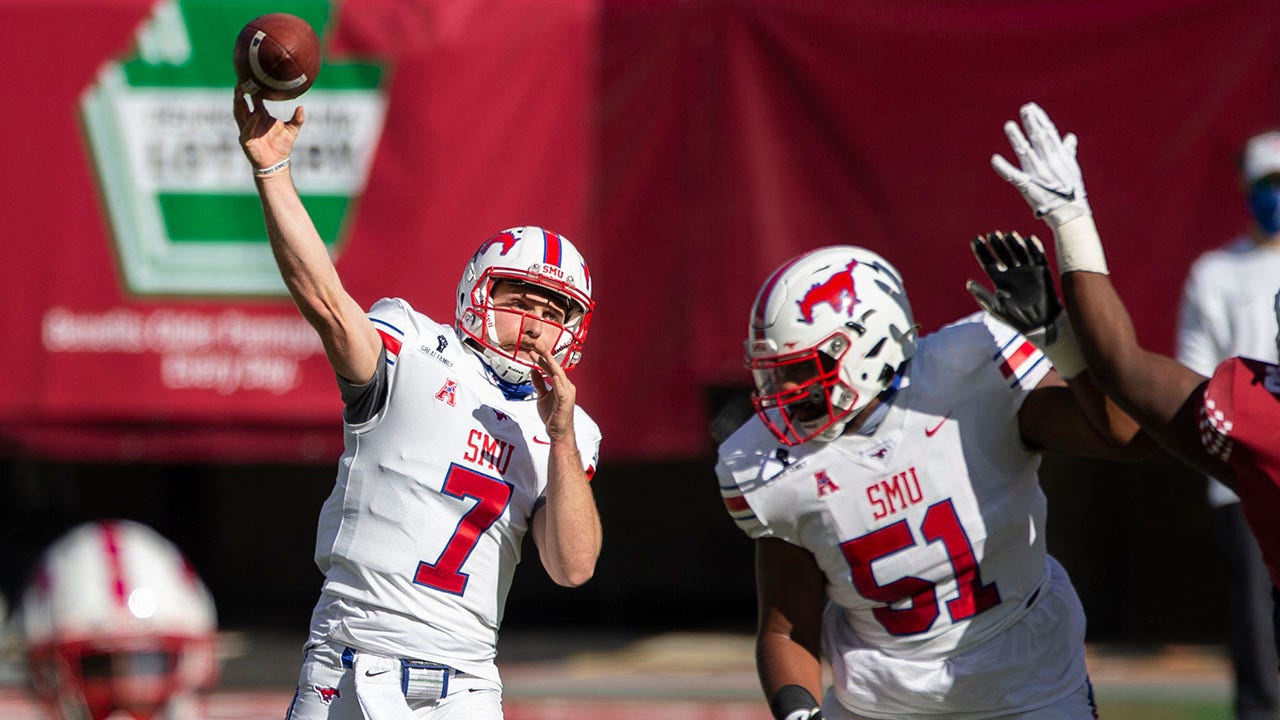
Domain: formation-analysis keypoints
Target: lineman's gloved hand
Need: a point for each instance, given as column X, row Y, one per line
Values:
column 1024, row 296
column 793, row 702
column 1049, row 179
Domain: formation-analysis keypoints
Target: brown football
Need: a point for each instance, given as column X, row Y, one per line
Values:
column 277, row 56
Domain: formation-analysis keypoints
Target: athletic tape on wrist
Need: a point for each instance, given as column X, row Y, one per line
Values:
column 278, row 167
column 1079, row 247
column 1064, row 352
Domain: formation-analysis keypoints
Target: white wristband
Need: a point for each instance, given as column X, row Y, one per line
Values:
column 1079, row 247
column 278, row 167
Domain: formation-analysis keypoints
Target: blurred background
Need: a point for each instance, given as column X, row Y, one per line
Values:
column 156, row 370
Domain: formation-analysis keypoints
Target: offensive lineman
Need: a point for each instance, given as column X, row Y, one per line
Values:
column 1227, row 425
column 458, row 440
column 890, row 485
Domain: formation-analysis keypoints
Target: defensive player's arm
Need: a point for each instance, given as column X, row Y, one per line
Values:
column 1161, row 393
column 1075, row 417
column 350, row 341
column 1066, row 412
column 566, row 528
column 791, row 595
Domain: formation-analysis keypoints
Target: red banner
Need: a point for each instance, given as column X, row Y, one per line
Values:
column 687, row 147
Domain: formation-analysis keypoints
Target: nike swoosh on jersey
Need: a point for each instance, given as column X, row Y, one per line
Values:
column 539, row 441
column 930, row 432
column 370, row 673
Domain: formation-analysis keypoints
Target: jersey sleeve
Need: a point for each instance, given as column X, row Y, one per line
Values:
column 746, row 468
column 396, row 324
column 738, row 506
column 1019, row 362
column 1241, row 407
column 393, row 318
column 364, row 401
column 589, row 439
column 1199, row 346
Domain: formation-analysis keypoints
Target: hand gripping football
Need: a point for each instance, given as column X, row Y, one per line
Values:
column 277, row 56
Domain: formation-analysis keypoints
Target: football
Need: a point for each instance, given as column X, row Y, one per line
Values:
column 277, row 56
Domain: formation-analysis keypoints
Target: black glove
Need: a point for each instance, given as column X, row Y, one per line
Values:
column 1024, row 294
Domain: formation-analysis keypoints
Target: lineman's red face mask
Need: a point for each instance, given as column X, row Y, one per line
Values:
column 793, row 394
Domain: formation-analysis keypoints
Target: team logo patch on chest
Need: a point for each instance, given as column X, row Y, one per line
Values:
column 876, row 454
column 448, row 393
column 825, row 484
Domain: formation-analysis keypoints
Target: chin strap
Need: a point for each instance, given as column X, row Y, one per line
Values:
column 510, row 390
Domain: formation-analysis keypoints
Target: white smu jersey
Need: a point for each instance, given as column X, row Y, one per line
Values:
column 930, row 532
column 422, row 532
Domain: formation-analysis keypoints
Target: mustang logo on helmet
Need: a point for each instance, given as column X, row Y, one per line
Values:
column 507, row 238
column 837, row 291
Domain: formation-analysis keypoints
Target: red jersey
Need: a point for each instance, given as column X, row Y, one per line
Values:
column 1240, row 425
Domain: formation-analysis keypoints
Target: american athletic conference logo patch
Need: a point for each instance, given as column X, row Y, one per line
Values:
column 448, row 393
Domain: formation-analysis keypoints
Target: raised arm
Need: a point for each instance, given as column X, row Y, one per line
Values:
column 1162, row 395
column 1066, row 412
column 350, row 341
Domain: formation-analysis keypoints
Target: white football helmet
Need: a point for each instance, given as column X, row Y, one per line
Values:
column 115, row 620
column 828, row 333
column 533, row 256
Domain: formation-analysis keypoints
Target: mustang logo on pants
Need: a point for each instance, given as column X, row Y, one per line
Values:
column 327, row 694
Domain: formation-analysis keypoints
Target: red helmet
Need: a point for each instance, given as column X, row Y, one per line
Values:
column 116, row 620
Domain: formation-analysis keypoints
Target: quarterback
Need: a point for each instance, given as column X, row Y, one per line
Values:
column 890, row 483
column 1227, row 425
column 459, row 439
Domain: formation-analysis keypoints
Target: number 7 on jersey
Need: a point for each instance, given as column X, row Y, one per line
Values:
column 492, row 496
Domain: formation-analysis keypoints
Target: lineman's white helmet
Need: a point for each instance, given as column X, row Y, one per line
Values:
column 828, row 332
column 533, row 256
column 116, row 620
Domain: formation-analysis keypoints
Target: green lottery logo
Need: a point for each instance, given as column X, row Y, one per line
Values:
column 179, row 194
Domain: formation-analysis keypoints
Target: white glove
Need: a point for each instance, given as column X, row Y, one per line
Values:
column 1051, row 183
